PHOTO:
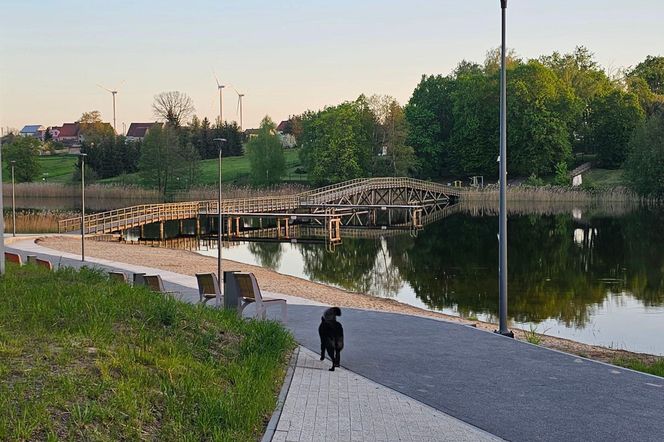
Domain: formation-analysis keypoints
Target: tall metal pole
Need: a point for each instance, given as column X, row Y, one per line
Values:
column 114, row 129
column 13, row 201
column 221, row 115
column 220, row 226
column 502, row 231
column 2, row 216
column 83, row 155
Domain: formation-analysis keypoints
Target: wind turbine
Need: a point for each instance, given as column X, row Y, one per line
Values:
column 221, row 88
column 239, row 104
column 112, row 93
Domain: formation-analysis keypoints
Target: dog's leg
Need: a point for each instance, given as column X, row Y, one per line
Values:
column 322, row 350
column 330, row 352
column 337, row 358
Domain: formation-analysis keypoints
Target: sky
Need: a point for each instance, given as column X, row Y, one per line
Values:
column 286, row 56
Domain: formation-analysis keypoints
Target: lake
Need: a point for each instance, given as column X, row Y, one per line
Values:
column 590, row 274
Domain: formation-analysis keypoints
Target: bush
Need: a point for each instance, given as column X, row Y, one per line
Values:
column 562, row 174
column 644, row 168
column 534, row 180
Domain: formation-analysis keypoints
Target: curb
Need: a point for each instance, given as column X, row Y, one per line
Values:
column 274, row 420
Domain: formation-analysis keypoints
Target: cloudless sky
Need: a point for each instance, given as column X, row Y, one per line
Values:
column 287, row 56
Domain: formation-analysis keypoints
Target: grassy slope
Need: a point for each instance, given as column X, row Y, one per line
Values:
column 84, row 358
column 234, row 169
column 60, row 168
column 605, row 177
column 656, row 367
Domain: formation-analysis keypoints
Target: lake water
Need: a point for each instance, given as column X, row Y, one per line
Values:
column 590, row 274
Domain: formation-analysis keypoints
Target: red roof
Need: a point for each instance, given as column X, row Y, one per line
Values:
column 283, row 126
column 138, row 130
column 69, row 130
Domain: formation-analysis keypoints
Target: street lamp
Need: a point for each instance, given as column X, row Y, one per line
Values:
column 82, row 157
column 502, row 215
column 220, row 278
column 2, row 217
column 13, row 163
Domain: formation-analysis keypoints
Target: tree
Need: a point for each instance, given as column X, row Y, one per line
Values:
column 24, row 151
column 93, row 129
column 337, row 142
column 652, row 71
column 160, row 158
column 644, row 168
column 394, row 156
column 429, row 119
column 266, row 155
column 613, row 118
column 175, row 107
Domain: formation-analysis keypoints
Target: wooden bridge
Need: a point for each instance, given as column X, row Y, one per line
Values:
column 347, row 199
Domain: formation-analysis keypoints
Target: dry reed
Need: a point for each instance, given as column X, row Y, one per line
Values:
column 33, row 221
column 59, row 190
column 233, row 191
column 550, row 194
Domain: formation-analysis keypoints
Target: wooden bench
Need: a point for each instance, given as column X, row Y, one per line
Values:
column 13, row 257
column 250, row 293
column 208, row 288
column 156, row 284
column 118, row 276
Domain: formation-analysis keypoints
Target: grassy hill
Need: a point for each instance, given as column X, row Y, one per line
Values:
column 59, row 168
column 82, row 358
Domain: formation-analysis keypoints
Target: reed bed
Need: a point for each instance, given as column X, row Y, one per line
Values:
column 36, row 221
column 59, row 190
column 234, row 191
column 551, row 194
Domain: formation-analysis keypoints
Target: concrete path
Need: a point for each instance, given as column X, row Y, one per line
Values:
column 508, row 388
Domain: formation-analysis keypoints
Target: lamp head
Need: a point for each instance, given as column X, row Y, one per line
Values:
column 503, row 4
column 221, row 140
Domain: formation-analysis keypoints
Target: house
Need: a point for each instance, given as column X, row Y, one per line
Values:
column 137, row 131
column 69, row 134
column 284, row 132
column 33, row 130
column 55, row 132
column 251, row 133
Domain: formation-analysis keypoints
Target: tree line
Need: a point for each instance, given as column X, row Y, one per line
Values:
column 558, row 105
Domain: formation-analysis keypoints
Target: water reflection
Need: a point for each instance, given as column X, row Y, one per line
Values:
column 570, row 268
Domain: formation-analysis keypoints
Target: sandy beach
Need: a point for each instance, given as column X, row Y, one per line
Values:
column 190, row 263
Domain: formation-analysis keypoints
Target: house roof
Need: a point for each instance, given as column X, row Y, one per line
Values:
column 283, row 126
column 252, row 131
column 69, row 130
column 138, row 130
column 32, row 128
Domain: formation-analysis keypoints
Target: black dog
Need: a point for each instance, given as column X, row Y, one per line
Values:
column 331, row 336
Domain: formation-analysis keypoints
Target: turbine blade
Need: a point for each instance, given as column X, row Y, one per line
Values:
column 106, row 89
column 215, row 78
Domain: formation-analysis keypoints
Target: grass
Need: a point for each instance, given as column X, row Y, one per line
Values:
column 604, row 178
column 532, row 336
column 87, row 359
column 234, row 170
column 60, row 169
column 656, row 367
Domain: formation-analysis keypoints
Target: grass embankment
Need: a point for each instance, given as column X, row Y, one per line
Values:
column 603, row 178
column 656, row 367
column 83, row 358
column 54, row 169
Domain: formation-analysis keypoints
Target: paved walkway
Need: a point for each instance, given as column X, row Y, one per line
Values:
column 508, row 388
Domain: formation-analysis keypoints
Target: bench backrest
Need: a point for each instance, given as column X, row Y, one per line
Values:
column 207, row 284
column 13, row 257
column 117, row 276
column 155, row 283
column 249, row 286
column 44, row 263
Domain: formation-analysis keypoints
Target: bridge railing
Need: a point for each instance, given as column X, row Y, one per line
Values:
column 120, row 219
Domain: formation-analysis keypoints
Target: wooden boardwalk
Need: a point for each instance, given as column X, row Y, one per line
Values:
column 377, row 192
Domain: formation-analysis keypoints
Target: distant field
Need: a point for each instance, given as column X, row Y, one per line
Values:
column 234, row 169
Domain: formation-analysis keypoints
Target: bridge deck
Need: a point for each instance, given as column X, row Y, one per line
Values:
column 361, row 192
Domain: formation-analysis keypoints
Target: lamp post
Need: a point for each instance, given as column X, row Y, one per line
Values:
column 2, row 217
column 82, row 156
column 502, row 216
column 220, row 278
column 13, row 163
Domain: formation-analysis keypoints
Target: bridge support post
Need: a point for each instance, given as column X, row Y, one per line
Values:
column 161, row 230
column 142, row 231
column 180, row 227
column 198, row 226
column 229, row 226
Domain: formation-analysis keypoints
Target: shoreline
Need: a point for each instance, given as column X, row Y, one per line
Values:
column 189, row 263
